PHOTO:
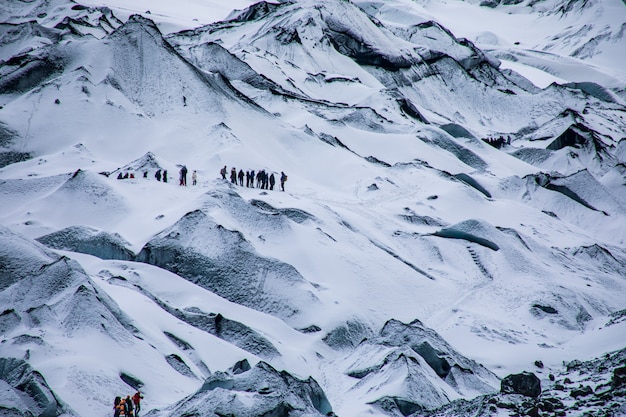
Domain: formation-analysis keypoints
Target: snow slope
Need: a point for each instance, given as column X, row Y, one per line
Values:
column 408, row 263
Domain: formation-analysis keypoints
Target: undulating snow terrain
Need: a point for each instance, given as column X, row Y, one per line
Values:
column 451, row 240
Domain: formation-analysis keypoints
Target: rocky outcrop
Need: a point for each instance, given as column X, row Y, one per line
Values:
column 223, row 261
column 26, row 393
column 432, row 372
column 525, row 383
column 91, row 241
column 258, row 392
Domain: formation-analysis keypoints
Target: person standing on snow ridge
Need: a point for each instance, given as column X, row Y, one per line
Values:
column 116, row 406
column 128, row 404
column 137, row 401
column 194, row 177
column 241, row 177
column 283, row 178
column 233, row 175
column 183, row 176
column 165, row 176
column 272, row 181
column 223, row 172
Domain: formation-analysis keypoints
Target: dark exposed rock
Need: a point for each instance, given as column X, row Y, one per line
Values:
column 525, row 383
column 582, row 391
column 297, row 215
column 473, row 183
column 458, row 232
column 311, row 329
column 261, row 391
column 545, row 309
column 352, row 45
column 456, row 131
column 619, row 377
column 231, row 331
column 254, row 12
column 179, row 364
column 240, row 367
column 463, row 153
column 9, row 320
column 419, row 353
column 409, row 108
column 29, row 72
column 132, row 381
column 224, row 262
column 394, row 405
column 26, row 390
column 347, row 335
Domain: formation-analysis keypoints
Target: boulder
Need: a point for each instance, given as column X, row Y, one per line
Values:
column 525, row 383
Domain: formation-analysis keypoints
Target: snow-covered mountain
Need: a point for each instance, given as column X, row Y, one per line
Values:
column 454, row 213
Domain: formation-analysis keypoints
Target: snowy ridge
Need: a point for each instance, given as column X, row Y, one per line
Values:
column 447, row 220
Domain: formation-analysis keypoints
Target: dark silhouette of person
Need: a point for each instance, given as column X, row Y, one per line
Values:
column 283, row 178
column 252, row 178
column 120, row 176
column 129, row 406
column 259, row 175
column 272, row 181
column 158, row 175
column 247, row 178
column 223, row 172
column 183, row 176
column 137, row 402
column 241, row 175
column 116, row 406
column 165, row 175
column 233, row 175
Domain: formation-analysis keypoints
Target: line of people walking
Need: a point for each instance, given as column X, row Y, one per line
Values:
column 263, row 180
column 127, row 407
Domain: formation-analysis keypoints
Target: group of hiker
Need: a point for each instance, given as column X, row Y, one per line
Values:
column 498, row 142
column 263, row 180
column 127, row 407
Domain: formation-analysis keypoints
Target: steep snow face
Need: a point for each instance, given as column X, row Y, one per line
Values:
column 547, row 40
column 421, row 63
column 475, row 257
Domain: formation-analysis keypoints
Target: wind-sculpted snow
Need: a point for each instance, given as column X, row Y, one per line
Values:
column 145, row 66
column 231, row 331
column 224, row 262
column 91, row 241
column 84, row 196
column 567, row 391
column 26, row 393
column 431, row 371
column 399, row 204
column 261, row 391
column 50, row 290
column 469, row 230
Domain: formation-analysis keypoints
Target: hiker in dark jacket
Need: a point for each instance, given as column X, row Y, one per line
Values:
column 233, row 175
column 116, row 406
column 272, row 181
column 128, row 404
column 241, row 177
column 283, row 178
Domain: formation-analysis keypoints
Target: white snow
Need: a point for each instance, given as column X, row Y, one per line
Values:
column 357, row 250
